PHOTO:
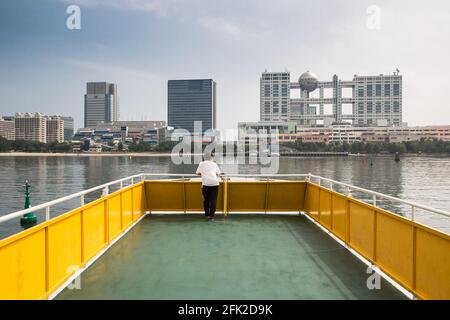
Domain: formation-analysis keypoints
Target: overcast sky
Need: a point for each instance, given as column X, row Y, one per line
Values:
column 140, row 44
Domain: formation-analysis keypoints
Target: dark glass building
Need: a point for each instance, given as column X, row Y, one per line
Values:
column 189, row 101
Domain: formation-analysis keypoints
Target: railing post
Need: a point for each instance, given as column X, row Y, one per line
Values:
column 374, row 198
column 82, row 200
column 47, row 213
column 331, row 185
column 413, row 213
column 132, row 180
column 348, row 192
column 105, row 192
column 225, row 196
column 121, row 184
column 266, row 199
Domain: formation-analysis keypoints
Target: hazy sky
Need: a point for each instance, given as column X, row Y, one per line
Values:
column 140, row 44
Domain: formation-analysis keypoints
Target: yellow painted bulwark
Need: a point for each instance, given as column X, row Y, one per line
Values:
column 394, row 247
column 139, row 201
column 325, row 208
column 312, row 201
column 362, row 235
column 415, row 256
column 37, row 261
column 94, row 230
column 433, row 265
column 127, row 210
column 165, row 195
column 247, row 196
column 286, row 196
column 22, row 267
column 64, row 243
column 339, row 204
column 114, row 216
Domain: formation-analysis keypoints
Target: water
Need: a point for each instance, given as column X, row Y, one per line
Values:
column 422, row 179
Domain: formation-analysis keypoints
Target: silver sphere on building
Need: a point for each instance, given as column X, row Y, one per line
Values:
column 308, row 81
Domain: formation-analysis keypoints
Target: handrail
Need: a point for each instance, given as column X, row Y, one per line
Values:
column 63, row 199
column 142, row 176
column 381, row 195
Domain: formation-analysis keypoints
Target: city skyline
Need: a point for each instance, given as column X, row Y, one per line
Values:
column 52, row 64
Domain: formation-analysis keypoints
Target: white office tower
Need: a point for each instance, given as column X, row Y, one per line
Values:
column 275, row 96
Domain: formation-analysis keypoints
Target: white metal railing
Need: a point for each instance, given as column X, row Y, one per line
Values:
column 80, row 194
column 143, row 176
column 376, row 195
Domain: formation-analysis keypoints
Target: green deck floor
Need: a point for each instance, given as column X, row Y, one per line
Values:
column 238, row 257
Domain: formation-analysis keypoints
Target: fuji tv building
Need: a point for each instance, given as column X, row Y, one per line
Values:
column 363, row 101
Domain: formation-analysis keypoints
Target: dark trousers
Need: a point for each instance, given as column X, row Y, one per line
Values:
column 210, row 199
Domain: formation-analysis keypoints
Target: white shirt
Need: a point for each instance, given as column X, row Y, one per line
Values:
column 209, row 171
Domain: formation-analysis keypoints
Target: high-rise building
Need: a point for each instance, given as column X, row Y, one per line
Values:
column 189, row 101
column 31, row 127
column 377, row 100
column 275, row 96
column 363, row 101
column 101, row 103
column 7, row 129
column 55, row 129
column 68, row 128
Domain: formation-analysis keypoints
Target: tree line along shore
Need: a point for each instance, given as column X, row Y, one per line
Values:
column 422, row 146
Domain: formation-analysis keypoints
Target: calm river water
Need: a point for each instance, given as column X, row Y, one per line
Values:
column 422, row 179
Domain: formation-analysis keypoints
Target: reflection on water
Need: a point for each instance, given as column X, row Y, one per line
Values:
column 421, row 179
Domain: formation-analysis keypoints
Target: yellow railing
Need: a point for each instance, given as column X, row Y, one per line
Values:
column 415, row 256
column 254, row 196
column 36, row 262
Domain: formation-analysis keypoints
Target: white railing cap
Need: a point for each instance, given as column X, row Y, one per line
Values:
column 17, row 214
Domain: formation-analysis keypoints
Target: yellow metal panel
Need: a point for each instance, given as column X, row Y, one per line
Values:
column 114, row 216
column 194, row 196
column 246, row 196
column 139, row 203
column 22, row 267
column 165, row 195
column 94, row 230
column 325, row 208
column 286, row 196
column 394, row 248
column 64, row 247
column 432, row 265
column 339, row 216
column 127, row 218
column 312, row 200
column 362, row 228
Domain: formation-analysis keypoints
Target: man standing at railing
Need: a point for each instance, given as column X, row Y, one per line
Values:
column 210, row 172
